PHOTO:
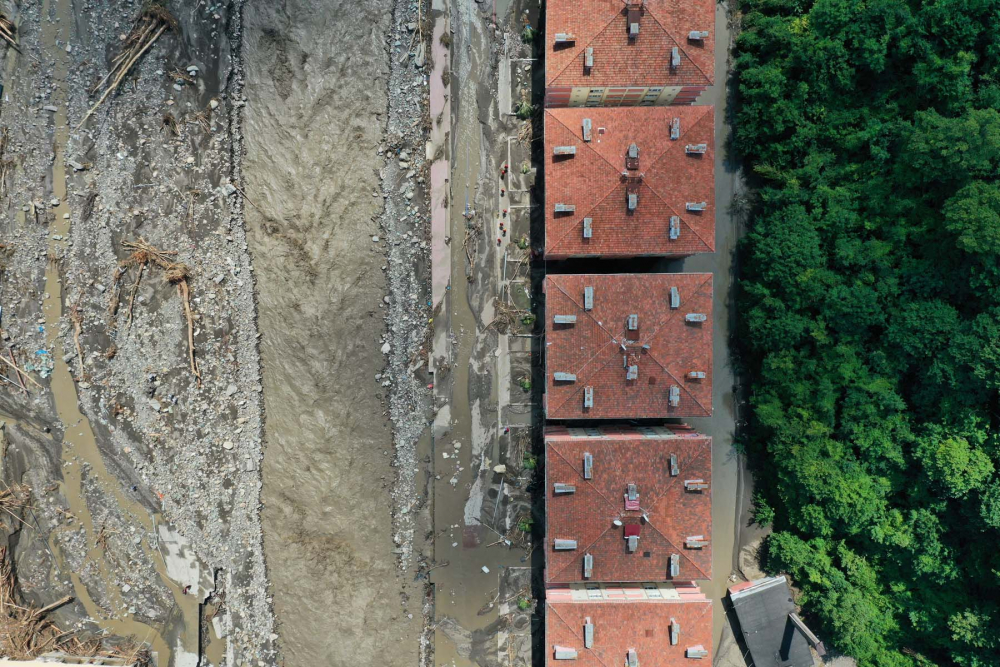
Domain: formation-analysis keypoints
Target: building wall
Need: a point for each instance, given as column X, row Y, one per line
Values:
column 618, row 96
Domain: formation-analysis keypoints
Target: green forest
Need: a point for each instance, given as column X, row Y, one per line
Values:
column 869, row 309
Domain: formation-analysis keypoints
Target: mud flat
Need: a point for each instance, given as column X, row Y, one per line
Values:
column 143, row 461
column 335, row 169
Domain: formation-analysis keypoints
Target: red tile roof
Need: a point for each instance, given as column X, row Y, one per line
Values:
column 592, row 181
column 618, row 61
column 665, row 347
column 621, row 626
column 673, row 513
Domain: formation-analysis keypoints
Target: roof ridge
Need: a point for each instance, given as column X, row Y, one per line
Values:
column 589, row 482
column 678, row 43
column 658, row 363
column 680, row 552
column 603, row 28
column 584, row 550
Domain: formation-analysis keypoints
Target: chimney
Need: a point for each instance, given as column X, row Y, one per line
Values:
column 564, row 319
column 588, row 228
column 674, row 397
column 632, row 322
column 565, row 489
column 675, row 58
column 695, row 317
column 696, row 149
column 588, row 633
column 696, row 206
column 564, row 377
column 675, row 631
column 563, row 150
column 674, row 468
column 695, row 542
column 675, row 565
column 565, row 653
column 675, row 129
column 564, row 545
column 568, row 208
column 675, row 298
column 586, row 129
column 588, row 397
column 632, row 658
column 588, row 567
column 588, row 298
column 697, row 652
column 588, row 465
column 695, row 485
column 696, row 375
column 675, row 227
column 698, row 35
column 565, row 38
column 588, row 59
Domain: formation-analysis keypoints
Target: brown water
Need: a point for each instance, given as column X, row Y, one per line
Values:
column 315, row 81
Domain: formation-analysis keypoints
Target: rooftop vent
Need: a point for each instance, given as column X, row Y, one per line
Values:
column 698, row 35
column 697, row 652
column 632, row 157
column 696, row 375
column 564, row 545
column 632, row 543
column 564, row 150
column 674, row 468
column 674, row 397
column 565, row 653
column 586, row 129
column 588, row 567
column 632, row 373
column 693, row 542
column 588, row 397
column 633, row 201
column 564, row 377
column 632, row 493
column 695, row 317
column 632, row 323
column 675, row 298
column 675, row 631
column 588, row 633
column 675, row 227
column 632, row 658
column 565, row 38
column 588, row 298
column 696, row 149
column 588, row 465
column 675, row 58
column 633, row 29
column 563, row 489
column 696, row 205
column 675, row 565
column 695, row 485
column 588, row 58
column 675, row 129
column 564, row 319
column 569, row 208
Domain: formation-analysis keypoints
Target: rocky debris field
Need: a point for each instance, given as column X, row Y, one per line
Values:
column 157, row 161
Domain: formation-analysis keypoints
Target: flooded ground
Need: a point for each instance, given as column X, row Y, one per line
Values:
column 137, row 430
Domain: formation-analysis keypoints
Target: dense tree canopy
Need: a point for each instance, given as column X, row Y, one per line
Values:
column 870, row 316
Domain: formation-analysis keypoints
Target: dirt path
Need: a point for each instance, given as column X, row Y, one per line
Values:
column 315, row 124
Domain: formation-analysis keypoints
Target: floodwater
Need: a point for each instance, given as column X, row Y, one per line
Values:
column 177, row 644
column 726, row 492
column 316, row 87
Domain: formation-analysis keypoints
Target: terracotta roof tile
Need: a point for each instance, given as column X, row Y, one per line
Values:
column 591, row 348
column 592, row 181
column 618, row 61
column 672, row 512
column 620, row 626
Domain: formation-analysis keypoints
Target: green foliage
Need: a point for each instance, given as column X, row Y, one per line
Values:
column 524, row 524
column 524, row 109
column 525, row 383
column 870, row 316
column 530, row 462
column 528, row 34
column 763, row 515
column 523, row 603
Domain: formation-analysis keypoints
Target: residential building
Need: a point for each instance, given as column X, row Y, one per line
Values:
column 628, row 52
column 651, row 626
column 769, row 626
column 627, row 182
column 627, row 504
column 628, row 346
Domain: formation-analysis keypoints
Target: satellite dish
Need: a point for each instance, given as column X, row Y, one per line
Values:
column 617, row 522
